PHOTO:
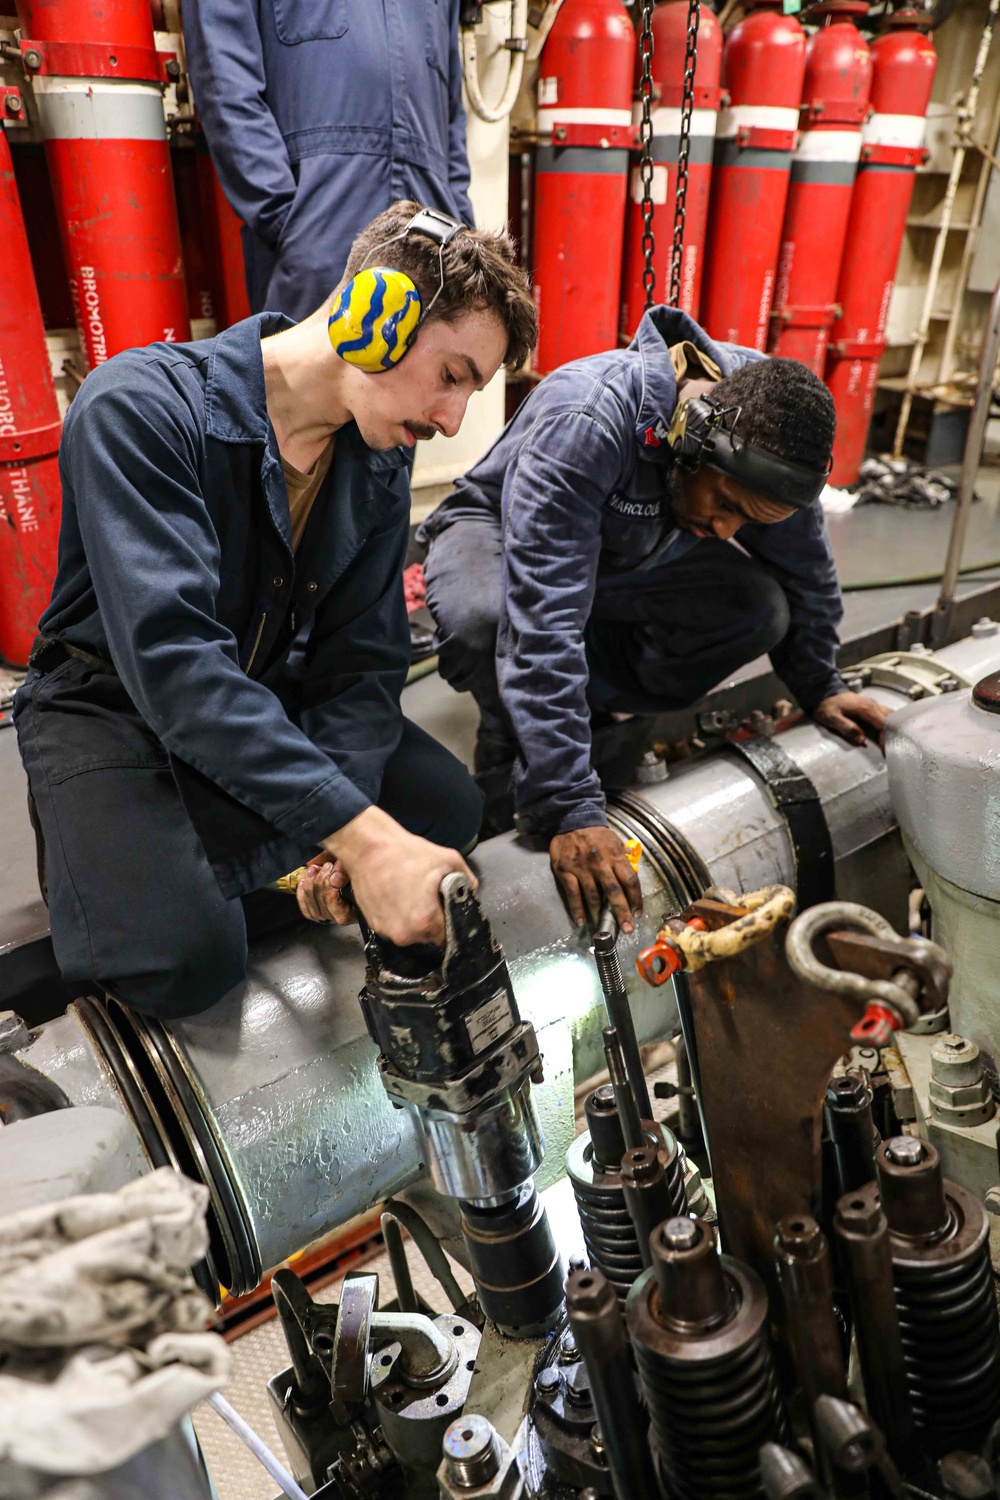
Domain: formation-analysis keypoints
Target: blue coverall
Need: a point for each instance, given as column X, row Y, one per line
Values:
column 560, row 582
column 319, row 114
column 174, row 762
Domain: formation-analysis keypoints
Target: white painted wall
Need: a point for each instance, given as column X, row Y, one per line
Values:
column 441, row 461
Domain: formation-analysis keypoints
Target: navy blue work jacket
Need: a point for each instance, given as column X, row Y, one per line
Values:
column 318, row 115
column 176, row 563
column 580, row 479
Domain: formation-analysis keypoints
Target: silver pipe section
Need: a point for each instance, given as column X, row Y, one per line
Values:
column 273, row 1097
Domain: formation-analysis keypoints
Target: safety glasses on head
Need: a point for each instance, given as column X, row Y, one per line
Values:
column 704, row 434
column 375, row 317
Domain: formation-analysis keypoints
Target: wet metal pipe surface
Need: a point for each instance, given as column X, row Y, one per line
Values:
column 284, row 1071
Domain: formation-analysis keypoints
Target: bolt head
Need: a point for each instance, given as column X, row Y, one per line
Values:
column 578, row 1385
column 955, row 1060
column 905, row 1151
column 32, row 58
column 680, row 1234
column 13, row 104
column 568, row 1352
column 548, row 1383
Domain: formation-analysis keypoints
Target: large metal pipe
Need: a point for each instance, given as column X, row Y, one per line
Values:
column 273, row 1097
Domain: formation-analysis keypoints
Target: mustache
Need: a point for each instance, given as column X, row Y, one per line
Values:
column 421, row 430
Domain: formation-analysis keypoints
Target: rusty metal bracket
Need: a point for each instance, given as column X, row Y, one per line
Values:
column 766, row 1044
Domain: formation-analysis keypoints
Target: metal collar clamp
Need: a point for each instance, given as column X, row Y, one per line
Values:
column 704, row 434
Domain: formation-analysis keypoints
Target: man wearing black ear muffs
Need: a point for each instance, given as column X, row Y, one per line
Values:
column 585, row 569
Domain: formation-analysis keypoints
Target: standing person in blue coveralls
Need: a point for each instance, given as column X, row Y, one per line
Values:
column 218, row 497
column 318, row 115
column 646, row 524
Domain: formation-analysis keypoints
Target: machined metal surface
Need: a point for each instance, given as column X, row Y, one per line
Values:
column 943, row 757
column 596, row 1322
column 862, row 1232
column 698, row 1324
column 285, row 1072
column 938, row 1234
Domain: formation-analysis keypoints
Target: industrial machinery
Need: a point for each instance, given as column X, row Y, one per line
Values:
column 670, row 58
column 903, row 67
column 763, row 65
column 653, row 1316
column 30, row 428
column 581, row 173
column 834, row 106
column 96, row 77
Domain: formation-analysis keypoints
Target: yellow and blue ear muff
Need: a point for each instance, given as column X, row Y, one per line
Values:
column 374, row 319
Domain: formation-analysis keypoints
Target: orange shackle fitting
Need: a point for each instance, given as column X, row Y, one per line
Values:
column 876, row 1026
column 663, row 959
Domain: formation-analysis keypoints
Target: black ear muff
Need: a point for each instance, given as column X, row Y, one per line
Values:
column 703, row 433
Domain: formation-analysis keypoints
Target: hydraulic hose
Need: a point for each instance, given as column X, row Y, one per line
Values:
column 492, row 114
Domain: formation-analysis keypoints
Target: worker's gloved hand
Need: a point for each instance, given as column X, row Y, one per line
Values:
column 319, row 891
column 394, row 875
column 849, row 714
column 592, row 868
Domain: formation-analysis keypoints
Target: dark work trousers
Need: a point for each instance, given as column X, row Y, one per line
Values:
column 135, row 908
column 656, row 640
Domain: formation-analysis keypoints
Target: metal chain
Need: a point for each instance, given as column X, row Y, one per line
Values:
column 646, row 147
column 684, row 150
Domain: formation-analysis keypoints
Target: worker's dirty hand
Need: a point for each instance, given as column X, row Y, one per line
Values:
column 395, row 877
column 593, row 869
column 850, row 714
column 319, row 891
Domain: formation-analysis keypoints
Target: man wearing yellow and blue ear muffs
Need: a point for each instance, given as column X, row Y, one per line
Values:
column 319, row 113
column 218, row 498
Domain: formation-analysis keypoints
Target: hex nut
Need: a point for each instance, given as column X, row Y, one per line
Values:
column 955, row 1060
column 955, row 1096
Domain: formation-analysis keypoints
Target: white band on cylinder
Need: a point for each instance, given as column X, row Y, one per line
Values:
column 829, row 145
column 763, row 116
column 92, row 109
column 895, row 130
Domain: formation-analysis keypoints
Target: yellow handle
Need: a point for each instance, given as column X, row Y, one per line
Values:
column 289, row 882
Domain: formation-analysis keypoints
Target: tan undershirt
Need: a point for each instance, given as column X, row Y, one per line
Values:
column 690, row 364
column 303, row 489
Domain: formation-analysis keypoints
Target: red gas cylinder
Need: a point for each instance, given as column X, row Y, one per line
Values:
column 29, row 438
column 834, row 105
column 225, row 249
column 763, row 64
column 198, row 275
column 669, row 39
column 581, row 177
column 97, row 81
column 903, row 65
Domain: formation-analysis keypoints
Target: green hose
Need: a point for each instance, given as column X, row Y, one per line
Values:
column 913, row 578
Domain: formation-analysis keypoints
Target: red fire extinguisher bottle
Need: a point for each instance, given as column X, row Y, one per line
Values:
column 903, row 66
column 763, row 64
column 669, row 41
column 97, row 80
column 581, row 176
column 29, row 438
column 834, row 105
column 225, row 249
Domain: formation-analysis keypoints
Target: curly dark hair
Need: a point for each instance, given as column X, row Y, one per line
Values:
column 786, row 409
column 480, row 275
